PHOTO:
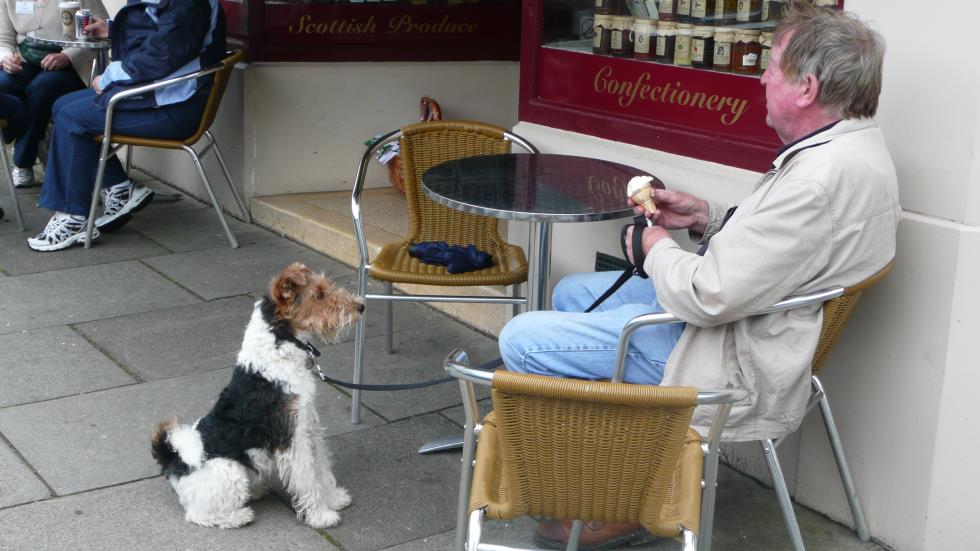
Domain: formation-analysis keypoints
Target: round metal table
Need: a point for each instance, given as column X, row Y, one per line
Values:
column 539, row 188
column 100, row 45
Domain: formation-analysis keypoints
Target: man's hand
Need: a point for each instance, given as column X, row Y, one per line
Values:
column 676, row 210
column 11, row 63
column 55, row 62
column 98, row 27
column 650, row 237
column 96, row 85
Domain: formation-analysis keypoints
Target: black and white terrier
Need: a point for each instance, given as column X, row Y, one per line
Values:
column 265, row 423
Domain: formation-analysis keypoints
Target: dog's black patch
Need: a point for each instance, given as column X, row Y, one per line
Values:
column 280, row 327
column 170, row 462
column 251, row 412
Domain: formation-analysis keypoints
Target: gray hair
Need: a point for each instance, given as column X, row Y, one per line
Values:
column 840, row 50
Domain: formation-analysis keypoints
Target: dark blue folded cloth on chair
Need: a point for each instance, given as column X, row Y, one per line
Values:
column 457, row 259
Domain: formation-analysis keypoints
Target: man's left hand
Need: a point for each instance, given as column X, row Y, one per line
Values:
column 96, row 85
column 650, row 237
column 55, row 62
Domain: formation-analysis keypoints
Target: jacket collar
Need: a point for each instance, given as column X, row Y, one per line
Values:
column 842, row 127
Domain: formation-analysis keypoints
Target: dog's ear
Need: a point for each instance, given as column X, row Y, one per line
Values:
column 288, row 284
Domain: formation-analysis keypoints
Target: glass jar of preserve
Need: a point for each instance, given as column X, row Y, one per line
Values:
column 666, row 37
column 684, row 11
column 682, row 45
column 825, row 3
column 602, row 34
column 702, row 47
column 765, row 42
column 725, row 11
column 722, row 59
column 644, row 34
column 748, row 10
column 772, row 10
column 621, row 42
column 746, row 52
column 668, row 10
column 702, row 12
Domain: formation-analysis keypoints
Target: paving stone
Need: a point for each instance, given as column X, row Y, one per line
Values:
column 398, row 495
column 17, row 483
column 225, row 272
column 84, row 294
column 419, row 355
column 50, row 363
column 177, row 341
column 515, row 533
column 124, row 244
column 197, row 229
column 146, row 516
column 162, row 204
column 34, row 219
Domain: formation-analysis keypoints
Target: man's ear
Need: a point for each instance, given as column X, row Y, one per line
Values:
column 809, row 92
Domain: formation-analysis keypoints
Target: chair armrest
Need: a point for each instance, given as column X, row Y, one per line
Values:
column 355, row 198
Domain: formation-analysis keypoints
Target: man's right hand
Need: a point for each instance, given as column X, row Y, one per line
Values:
column 98, row 27
column 11, row 64
column 677, row 210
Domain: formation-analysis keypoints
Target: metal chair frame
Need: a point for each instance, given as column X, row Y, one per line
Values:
column 18, row 215
column 389, row 297
column 109, row 149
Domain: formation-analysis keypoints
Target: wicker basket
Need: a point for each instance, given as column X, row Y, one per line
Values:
column 429, row 110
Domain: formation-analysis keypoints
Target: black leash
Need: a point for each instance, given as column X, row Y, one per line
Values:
column 638, row 225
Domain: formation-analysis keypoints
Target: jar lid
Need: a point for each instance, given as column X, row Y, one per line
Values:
column 704, row 31
column 666, row 25
column 724, row 34
column 746, row 33
column 766, row 39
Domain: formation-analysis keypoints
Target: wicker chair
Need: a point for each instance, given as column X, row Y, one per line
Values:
column 589, row 451
column 835, row 315
column 10, row 182
column 222, row 73
column 424, row 145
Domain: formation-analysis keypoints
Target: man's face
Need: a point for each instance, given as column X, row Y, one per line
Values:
column 781, row 95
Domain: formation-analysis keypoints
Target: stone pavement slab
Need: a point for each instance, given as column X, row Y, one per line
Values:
column 225, row 272
column 398, row 495
column 83, row 294
column 194, row 229
column 125, row 244
column 515, row 533
column 177, row 341
column 52, row 362
column 17, row 483
column 145, row 516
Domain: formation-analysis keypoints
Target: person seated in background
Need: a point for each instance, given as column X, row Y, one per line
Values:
column 825, row 215
column 150, row 42
column 38, row 74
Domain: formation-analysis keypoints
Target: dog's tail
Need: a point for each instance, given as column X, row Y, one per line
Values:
column 164, row 452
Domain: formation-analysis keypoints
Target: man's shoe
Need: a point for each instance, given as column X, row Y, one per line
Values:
column 62, row 231
column 120, row 202
column 23, row 177
column 596, row 536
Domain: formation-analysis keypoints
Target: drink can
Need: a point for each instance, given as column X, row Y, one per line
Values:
column 82, row 19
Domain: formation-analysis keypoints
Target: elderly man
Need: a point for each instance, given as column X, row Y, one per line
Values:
column 825, row 214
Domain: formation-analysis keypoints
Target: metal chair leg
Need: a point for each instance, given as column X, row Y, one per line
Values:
column 13, row 191
column 690, row 540
column 214, row 200
column 359, row 330
column 224, row 169
column 782, row 494
column 516, row 293
column 574, row 536
column 99, row 175
column 389, row 319
column 129, row 161
column 850, row 490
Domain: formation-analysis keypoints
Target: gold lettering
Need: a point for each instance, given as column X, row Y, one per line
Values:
column 299, row 27
column 738, row 107
column 633, row 87
column 306, row 25
column 644, row 91
column 599, row 82
column 712, row 99
column 405, row 24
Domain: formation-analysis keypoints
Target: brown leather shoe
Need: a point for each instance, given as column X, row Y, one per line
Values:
column 596, row 536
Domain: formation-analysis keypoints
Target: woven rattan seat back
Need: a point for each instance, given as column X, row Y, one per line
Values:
column 426, row 144
column 589, row 450
column 836, row 313
column 218, row 87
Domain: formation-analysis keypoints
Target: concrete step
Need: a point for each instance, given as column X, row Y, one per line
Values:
column 323, row 222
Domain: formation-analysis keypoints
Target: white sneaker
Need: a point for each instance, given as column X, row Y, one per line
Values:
column 62, row 231
column 23, row 177
column 119, row 202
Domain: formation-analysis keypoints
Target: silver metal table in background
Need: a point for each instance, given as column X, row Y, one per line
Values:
column 99, row 45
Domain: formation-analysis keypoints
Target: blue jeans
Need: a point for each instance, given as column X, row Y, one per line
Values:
column 73, row 157
column 567, row 342
column 12, row 110
column 38, row 89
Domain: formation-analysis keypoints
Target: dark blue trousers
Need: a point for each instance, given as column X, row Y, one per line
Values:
column 73, row 156
column 12, row 110
column 38, row 89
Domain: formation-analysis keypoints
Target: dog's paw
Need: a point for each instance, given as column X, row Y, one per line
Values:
column 339, row 499
column 233, row 519
column 320, row 518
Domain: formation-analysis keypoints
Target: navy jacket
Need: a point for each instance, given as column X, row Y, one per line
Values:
column 153, row 40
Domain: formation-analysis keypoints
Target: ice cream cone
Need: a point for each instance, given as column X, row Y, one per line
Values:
column 641, row 192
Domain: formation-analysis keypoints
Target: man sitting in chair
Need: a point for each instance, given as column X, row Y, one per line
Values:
column 824, row 215
column 152, row 40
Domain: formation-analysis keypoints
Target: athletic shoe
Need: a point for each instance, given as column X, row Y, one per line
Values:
column 120, row 202
column 62, row 231
column 23, row 177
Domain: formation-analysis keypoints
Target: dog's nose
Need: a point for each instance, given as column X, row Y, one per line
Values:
column 360, row 306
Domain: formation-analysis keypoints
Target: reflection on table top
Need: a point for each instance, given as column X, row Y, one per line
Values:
column 47, row 36
column 533, row 187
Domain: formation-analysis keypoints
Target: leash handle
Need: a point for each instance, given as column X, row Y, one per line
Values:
column 638, row 225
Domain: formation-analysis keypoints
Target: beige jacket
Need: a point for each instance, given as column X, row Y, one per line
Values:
column 14, row 28
column 826, row 215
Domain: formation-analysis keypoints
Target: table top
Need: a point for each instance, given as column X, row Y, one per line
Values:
column 538, row 187
column 45, row 36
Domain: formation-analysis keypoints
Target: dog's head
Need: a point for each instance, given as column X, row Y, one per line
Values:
column 310, row 303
